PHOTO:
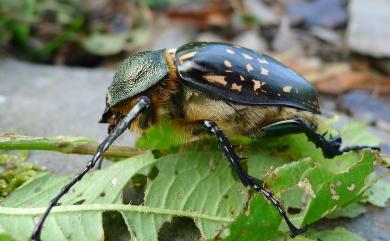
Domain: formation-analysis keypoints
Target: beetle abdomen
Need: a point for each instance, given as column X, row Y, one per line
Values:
column 242, row 76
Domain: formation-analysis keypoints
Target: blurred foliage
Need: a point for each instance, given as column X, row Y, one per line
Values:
column 49, row 31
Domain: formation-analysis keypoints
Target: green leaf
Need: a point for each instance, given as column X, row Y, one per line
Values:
column 162, row 136
column 338, row 234
column 176, row 192
column 103, row 188
column 197, row 182
column 351, row 211
column 337, row 190
column 364, row 137
column 4, row 236
column 259, row 223
column 379, row 193
column 314, row 190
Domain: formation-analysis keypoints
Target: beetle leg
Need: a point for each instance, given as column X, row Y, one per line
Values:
column 234, row 160
column 139, row 107
column 330, row 148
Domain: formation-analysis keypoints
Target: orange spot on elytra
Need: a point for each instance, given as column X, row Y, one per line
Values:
column 236, row 87
column 287, row 89
column 186, row 56
column 220, row 79
column 257, row 84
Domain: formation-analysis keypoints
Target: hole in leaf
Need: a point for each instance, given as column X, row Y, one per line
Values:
column 292, row 210
column 180, row 228
column 226, row 196
column 134, row 191
column 114, row 226
column 139, row 180
column 157, row 154
column 79, row 202
column 102, row 194
column 153, row 173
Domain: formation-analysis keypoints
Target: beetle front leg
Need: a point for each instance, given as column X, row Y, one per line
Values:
column 142, row 105
column 330, row 148
column 234, row 160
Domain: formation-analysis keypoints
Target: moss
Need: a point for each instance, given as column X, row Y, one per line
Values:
column 14, row 172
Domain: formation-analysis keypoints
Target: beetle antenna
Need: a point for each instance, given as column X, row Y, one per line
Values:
column 143, row 104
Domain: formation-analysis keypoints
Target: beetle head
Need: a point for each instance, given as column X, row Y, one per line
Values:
column 135, row 75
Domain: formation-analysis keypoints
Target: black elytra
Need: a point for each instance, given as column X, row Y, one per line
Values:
column 243, row 76
column 224, row 72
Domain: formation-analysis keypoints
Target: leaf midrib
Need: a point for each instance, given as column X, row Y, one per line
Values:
column 112, row 207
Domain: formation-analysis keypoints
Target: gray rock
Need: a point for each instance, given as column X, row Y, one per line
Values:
column 363, row 106
column 286, row 39
column 250, row 39
column 373, row 225
column 325, row 13
column 261, row 12
column 209, row 37
column 384, row 137
column 173, row 36
column 368, row 31
column 327, row 35
column 39, row 100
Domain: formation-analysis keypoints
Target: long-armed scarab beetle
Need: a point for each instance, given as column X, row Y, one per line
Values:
column 218, row 88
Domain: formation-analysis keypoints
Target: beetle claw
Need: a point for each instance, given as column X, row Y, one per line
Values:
column 297, row 231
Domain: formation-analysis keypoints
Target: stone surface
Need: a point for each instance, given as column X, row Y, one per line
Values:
column 172, row 36
column 264, row 14
column 209, row 37
column 40, row 100
column 325, row 13
column 365, row 107
column 286, row 39
column 368, row 31
column 373, row 225
column 250, row 39
column 376, row 111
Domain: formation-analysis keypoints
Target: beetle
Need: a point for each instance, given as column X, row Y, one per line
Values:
column 211, row 88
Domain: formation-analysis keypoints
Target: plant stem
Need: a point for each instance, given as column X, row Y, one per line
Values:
column 64, row 144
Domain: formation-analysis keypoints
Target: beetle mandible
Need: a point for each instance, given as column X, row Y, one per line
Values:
column 211, row 88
